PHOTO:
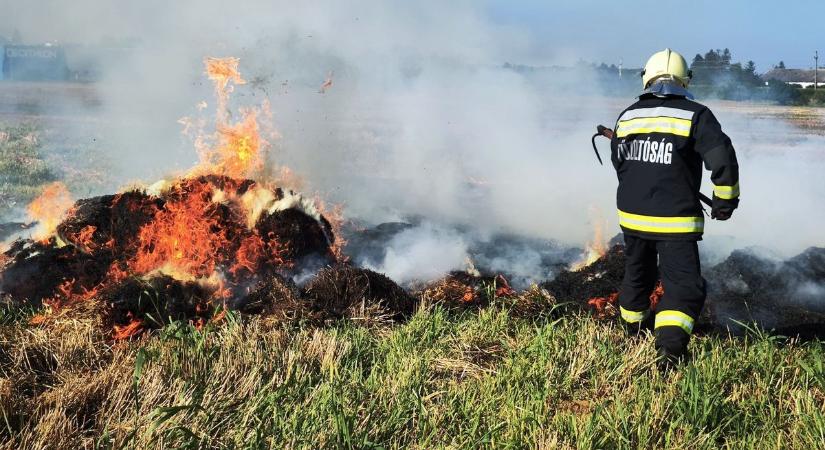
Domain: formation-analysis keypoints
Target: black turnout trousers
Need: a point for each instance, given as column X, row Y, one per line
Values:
column 684, row 288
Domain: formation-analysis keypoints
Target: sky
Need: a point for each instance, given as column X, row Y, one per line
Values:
column 763, row 31
column 554, row 32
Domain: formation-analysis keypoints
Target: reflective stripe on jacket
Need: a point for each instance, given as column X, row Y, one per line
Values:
column 658, row 150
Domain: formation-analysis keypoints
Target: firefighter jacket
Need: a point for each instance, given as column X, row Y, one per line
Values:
column 658, row 148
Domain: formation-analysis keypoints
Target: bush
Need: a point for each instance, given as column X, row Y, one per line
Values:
column 811, row 96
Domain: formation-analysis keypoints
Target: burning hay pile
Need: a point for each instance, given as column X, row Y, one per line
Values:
column 190, row 247
column 197, row 244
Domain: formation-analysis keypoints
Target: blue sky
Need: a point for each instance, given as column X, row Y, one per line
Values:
column 763, row 31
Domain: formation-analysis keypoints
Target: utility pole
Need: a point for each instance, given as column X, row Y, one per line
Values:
column 816, row 67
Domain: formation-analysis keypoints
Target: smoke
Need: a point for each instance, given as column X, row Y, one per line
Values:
column 400, row 251
column 809, row 296
column 421, row 119
column 781, row 169
column 444, row 250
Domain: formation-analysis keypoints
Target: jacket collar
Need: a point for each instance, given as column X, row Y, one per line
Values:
column 667, row 89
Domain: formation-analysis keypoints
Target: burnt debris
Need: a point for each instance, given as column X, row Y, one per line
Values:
column 785, row 296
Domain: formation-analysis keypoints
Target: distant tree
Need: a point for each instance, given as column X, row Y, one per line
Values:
column 711, row 57
column 783, row 93
column 781, row 65
column 16, row 38
column 751, row 67
column 726, row 56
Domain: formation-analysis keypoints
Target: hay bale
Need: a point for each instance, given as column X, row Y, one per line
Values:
column 108, row 222
column 34, row 271
column 274, row 296
column 337, row 289
column 156, row 301
column 302, row 236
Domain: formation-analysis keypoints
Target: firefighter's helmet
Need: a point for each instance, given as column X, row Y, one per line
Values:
column 666, row 65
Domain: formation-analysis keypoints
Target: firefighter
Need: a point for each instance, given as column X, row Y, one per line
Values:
column 658, row 148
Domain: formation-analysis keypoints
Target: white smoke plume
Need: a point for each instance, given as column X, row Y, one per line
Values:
column 444, row 250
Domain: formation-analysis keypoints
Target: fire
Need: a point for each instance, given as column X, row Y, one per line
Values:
column 64, row 293
column 600, row 303
column 656, row 295
column 222, row 72
column 132, row 328
column 469, row 295
column 84, row 239
column 239, row 150
column 235, row 150
column 185, row 236
column 595, row 249
column 217, row 229
column 503, row 288
column 335, row 215
column 249, row 255
column 49, row 209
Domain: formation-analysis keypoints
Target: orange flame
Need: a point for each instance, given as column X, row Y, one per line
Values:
column 600, row 303
column 84, row 238
column 503, row 288
column 249, row 254
column 469, row 295
column 184, row 237
column 49, row 209
column 237, row 149
column 222, row 72
column 335, row 216
column 656, row 295
column 595, row 248
column 134, row 327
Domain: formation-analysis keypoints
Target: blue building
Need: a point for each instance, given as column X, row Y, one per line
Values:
column 34, row 63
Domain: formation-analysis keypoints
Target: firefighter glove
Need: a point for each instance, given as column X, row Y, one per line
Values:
column 722, row 208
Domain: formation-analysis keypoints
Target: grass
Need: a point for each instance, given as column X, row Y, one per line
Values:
column 474, row 379
column 23, row 170
column 33, row 155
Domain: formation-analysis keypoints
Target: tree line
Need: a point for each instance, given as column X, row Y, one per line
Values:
column 716, row 76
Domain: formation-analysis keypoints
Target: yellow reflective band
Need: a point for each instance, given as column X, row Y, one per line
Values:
column 661, row 124
column 671, row 318
column 654, row 224
column 633, row 316
column 727, row 192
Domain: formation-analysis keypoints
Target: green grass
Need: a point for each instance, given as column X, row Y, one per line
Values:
column 442, row 380
column 33, row 155
column 23, row 170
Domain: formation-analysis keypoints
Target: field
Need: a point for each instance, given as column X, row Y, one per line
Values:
column 456, row 380
column 491, row 377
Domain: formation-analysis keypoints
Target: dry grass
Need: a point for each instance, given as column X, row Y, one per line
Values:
column 483, row 378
